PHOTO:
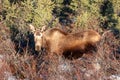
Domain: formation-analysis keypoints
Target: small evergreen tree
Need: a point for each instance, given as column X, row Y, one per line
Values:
column 88, row 13
column 37, row 12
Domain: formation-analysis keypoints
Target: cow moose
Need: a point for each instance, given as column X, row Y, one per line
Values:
column 56, row 41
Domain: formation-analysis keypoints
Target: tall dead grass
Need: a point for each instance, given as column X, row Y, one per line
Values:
column 95, row 65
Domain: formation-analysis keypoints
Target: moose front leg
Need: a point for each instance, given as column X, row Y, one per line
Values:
column 56, row 52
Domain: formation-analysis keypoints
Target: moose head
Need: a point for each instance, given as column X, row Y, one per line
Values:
column 38, row 36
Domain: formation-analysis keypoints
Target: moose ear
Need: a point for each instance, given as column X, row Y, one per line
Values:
column 32, row 28
column 43, row 28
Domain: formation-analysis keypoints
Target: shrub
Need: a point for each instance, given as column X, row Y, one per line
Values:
column 37, row 12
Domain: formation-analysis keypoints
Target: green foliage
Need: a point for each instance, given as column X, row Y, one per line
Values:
column 84, row 13
column 94, row 13
column 37, row 12
column 87, row 11
column 42, row 14
column 0, row 18
column 109, row 18
column 116, row 15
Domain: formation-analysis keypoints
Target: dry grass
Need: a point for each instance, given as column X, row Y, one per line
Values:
column 101, row 65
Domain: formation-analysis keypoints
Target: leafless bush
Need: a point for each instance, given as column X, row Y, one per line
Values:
column 103, row 64
column 100, row 65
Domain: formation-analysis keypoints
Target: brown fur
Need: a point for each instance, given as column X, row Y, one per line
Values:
column 56, row 41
